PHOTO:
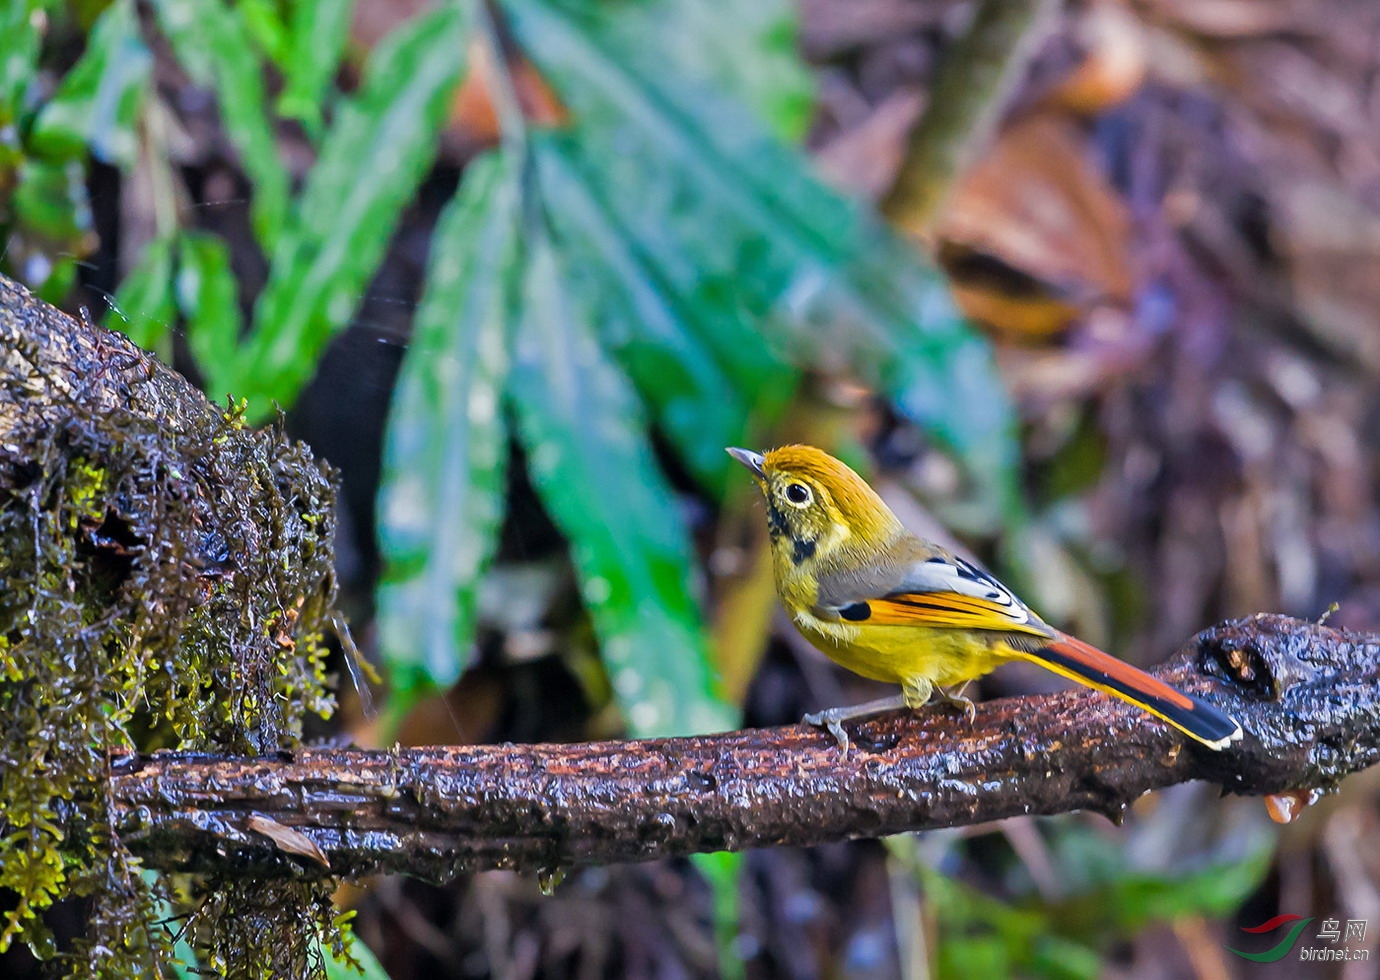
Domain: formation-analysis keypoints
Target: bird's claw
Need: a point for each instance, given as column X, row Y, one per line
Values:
column 831, row 720
column 957, row 702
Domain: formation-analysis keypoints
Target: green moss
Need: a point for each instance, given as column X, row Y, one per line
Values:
column 163, row 583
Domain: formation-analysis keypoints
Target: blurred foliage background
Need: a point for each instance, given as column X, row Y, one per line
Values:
column 521, row 271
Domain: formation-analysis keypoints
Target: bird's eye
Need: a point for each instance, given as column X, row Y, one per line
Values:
column 798, row 494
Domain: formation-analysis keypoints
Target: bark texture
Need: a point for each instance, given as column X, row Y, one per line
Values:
column 166, row 573
column 1305, row 694
column 212, row 542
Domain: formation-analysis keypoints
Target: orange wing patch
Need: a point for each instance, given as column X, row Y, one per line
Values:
column 951, row 610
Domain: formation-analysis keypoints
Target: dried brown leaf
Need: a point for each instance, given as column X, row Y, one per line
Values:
column 287, row 839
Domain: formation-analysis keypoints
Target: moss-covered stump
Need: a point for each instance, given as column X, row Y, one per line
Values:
column 165, row 578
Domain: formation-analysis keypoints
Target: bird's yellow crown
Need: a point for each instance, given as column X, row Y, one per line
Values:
column 841, row 491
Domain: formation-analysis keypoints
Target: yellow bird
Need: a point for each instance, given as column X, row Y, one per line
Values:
column 890, row 606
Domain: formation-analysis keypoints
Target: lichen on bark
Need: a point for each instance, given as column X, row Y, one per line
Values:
column 166, row 575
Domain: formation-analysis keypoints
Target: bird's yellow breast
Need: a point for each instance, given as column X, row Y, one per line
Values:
column 897, row 654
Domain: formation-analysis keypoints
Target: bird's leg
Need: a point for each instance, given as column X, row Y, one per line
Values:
column 916, row 691
column 955, row 700
column 832, row 719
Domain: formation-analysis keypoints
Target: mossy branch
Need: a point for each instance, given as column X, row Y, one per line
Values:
column 1306, row 695
column 166, row 573
column 232, row 500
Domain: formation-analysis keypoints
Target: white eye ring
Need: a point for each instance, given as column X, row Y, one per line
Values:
column 798, row 495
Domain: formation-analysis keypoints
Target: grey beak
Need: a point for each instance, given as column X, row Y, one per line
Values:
column 751, row 460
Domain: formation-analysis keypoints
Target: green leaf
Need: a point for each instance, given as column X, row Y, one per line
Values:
column 143, row 307
column 442, row 494
column 712, row 318
column 97, row 103
column 365, row 967
column 214, row 45
column 266, row 27
column 192, row 26
column 19, row 43
column 53, row 224
column 51, row 200
column 979, row 935
column 1113, row 892
column 372, row 160
column 723, row 870
column 208, row 296
column 726, row 210
column 651, row 327
column 748, row 49
column 591, row 463
column 317, row 32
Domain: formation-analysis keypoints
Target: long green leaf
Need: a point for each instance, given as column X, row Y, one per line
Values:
column 143, row 309
column 721, row 206
column 723, row 870
column 748, row 49
column 318, row 29
column 214, row 45
column 442, row 495
column 592, row 465
column 208, row 297
column 97, row 103
column 54, row 215
column 19, row 44
column 695, row 400
column 672, row 244
column 266, row 26
column 372, row 160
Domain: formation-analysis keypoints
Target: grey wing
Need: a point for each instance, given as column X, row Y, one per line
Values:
column 859, row 594
column 950, row 573
column 844, row 590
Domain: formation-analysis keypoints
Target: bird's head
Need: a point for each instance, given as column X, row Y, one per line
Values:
column 818, row 509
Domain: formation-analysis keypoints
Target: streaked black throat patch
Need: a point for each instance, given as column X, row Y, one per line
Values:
column 802, row 548
column 776, row 522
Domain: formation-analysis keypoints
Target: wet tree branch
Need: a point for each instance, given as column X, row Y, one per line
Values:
column 1306, row 695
